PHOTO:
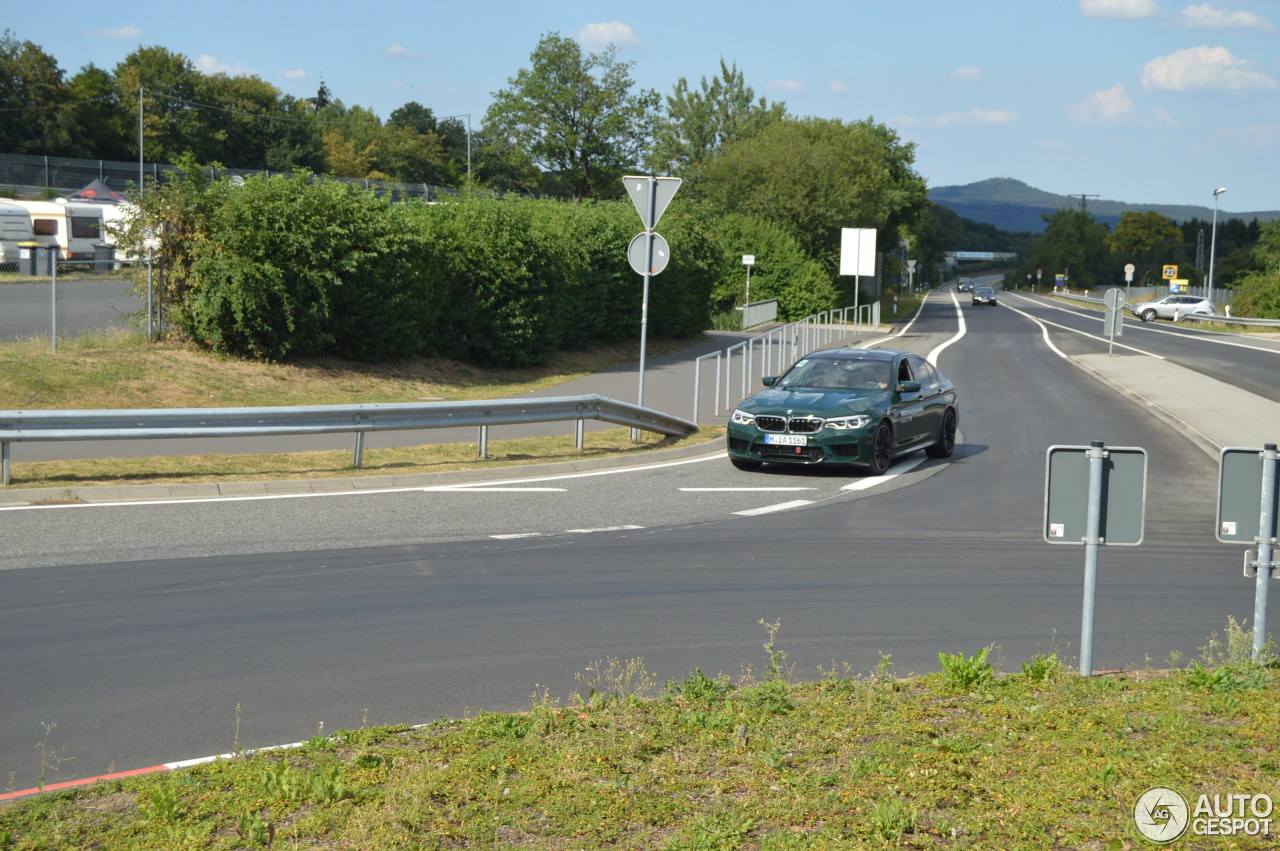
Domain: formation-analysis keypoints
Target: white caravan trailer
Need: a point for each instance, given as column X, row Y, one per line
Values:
column 74, row 227
column 15, row 227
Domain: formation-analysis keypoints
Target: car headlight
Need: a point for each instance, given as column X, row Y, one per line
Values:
column 742, row 418
column 856, row 421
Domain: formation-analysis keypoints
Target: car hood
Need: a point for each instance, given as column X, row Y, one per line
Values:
column 805, row 401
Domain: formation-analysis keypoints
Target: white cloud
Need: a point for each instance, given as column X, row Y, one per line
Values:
column 837, row 88
column 1119, row 8
column 129, row 31
column 786, row 86
column 1199, row 68
column 601, row 35
column 1207, row 17
column 401, row 50
column 210, row 64
column 1105, row 106
column 294, row 73
column 978, row 118
column 967, row 75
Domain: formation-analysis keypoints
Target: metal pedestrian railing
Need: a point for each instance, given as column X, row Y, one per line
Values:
column 777, row 348
column 325, row 419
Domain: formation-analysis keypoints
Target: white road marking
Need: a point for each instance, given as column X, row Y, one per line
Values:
column 518, row 535
column 1045, row 333
column 602, row 529
column 896, row 470
column 769, row 509
column 933, row 355
column 460, row 489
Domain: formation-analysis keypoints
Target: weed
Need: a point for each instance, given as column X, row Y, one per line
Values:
column 500, row 726
column 777, row 658
column 699, row 688
column 1104, row 776
column 1235, row 649
column 772, row 697
column 1042, row 667
column 863, row 767
column 884, row 667
column 161, row 804
column 328, row 786
column 613, row 680
column 891, row 818
column 966, row 673
column 50, row 759
column 282, row 783
column 714, row 832
column 255, row 832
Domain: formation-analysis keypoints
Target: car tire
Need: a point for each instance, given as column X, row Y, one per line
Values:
column 1147, row 315
column 881, row 450
column 946, row 442
column 744, row 464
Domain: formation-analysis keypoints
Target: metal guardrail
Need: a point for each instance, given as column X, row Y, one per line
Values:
column 326, row 419
column 1197, row 317
column 779, row 347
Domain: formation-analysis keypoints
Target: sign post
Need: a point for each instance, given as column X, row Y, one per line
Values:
column 1245, row 486
column 651, row 195
column 1094, row 496
column 1113, row 320
column 748, row 260
column 857, row 257
column 1129, row 269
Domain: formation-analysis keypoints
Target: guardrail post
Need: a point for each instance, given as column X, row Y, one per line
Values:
column 578, row 435
column 358, row 460
column 4, row 461
column 484, row 442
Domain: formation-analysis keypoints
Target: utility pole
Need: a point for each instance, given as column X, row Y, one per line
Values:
column 1084, row 204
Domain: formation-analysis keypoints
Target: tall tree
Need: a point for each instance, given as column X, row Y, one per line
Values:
column 170, row 87
column 32, row 93
column 1148, row 238
column 815, row 176
column 1074, row 244
column 575, row 115
column 697, row 124
column 96, row 124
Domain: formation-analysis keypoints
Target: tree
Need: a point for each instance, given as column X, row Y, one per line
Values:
column 574, row 115
column 31, row 95
column 170, row 85
column 94, row 120
column 814, row 176
column 1073, row 244
column 242, row 125
column 1257, row 294
column 698, row 124
column 1148, row 237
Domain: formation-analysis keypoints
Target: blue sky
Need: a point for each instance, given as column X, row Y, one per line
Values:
column 1133, row 100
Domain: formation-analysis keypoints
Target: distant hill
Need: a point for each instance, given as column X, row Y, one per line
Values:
column 1014, row 206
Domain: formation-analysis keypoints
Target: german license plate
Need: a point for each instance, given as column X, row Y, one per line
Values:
column 786, row 439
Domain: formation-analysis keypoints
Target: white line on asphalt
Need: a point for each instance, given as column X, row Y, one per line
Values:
column 602, row 529
column 716, row 454
column 518, row 535
column 458, row 489
column 933, row 355
column 1045, row 331
column 768, row 509
column 896, row 470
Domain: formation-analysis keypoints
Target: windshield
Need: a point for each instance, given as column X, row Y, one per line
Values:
column 839, row 374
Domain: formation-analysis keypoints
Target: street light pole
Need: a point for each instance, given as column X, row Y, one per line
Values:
column 1213, row 238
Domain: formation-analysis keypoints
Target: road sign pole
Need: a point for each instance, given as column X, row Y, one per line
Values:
column 1093, row 524
column 1266, row 547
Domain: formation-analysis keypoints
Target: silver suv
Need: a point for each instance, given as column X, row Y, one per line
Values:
column 1167, row 307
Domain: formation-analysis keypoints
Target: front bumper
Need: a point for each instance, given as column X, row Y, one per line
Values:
column 825, row 447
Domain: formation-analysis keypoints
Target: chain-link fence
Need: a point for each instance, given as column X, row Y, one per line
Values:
column 44, row 298
column 26, row 175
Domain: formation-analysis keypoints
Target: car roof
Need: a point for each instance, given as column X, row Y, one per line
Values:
column 862, row 354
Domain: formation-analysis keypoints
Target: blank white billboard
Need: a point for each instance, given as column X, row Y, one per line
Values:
column 858, row 251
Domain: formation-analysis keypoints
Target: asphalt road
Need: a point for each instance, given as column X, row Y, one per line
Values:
column 139, row 629
column 27, row 310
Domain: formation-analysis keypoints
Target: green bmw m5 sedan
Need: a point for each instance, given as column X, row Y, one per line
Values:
column 861, row 407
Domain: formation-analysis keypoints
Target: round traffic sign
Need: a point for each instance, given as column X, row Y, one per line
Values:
column 637, row 249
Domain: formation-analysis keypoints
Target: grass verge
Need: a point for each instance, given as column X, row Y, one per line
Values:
column 117, row 371
column 1037, row 759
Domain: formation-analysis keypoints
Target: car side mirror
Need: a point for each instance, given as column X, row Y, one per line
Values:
column 908, row 386
column 769, row 380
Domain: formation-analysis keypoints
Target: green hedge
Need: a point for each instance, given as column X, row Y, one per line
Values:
column 287, row 266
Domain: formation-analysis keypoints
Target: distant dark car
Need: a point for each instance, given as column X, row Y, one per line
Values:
column 984, row 295
column 964, row 286
column 860, row 407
